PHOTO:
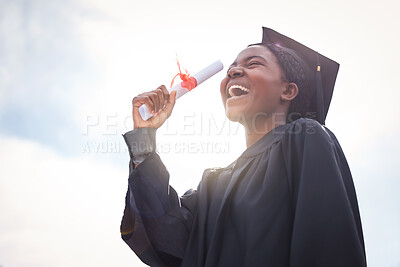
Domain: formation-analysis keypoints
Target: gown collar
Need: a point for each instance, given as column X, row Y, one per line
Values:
column 266, row 141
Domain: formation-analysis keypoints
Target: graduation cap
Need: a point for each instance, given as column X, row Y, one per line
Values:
column 324, row 71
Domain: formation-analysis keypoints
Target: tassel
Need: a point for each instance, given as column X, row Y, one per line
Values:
column 319, row 94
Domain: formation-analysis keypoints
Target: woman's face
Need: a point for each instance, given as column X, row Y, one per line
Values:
column 253, row 85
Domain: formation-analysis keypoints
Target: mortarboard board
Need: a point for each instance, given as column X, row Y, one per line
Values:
column 324, row 68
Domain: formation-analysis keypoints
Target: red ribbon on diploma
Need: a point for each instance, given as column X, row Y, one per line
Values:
column 187, row 81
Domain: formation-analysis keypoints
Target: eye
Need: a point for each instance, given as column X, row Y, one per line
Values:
column 253, row 63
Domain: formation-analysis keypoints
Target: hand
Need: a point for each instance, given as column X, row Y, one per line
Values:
column 159, row 102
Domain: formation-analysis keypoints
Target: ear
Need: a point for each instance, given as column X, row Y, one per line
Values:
column 290, row 92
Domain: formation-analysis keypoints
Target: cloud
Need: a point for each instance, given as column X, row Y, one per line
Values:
column 58, row 211
column 43, row 66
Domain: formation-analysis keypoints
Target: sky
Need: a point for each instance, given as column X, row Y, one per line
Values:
column 69, row 70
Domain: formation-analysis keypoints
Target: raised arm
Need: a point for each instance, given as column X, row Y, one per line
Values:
column 156, row 222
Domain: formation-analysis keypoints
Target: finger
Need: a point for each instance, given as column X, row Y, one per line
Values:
column 149, row 104
column 156, row 102
column 160, row 98
column 144, row 100
column 171, row 102
column 166, row 94
column 172, row 97
column 137, row 102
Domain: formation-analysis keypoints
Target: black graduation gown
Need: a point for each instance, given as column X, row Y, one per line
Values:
column 288, row 200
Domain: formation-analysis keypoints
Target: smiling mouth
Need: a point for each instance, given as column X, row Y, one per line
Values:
column 237, row 90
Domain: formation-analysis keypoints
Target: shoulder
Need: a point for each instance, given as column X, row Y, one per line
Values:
column 310, row 148
column 305, row 136
column 308, row 129
column 211, row 175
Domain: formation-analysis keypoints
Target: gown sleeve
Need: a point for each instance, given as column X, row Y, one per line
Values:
column 156, row 222
column 326, row 227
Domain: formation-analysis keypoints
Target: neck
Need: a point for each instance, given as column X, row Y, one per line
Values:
column 259, row 127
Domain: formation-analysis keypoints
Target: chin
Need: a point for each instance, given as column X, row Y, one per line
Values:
column 232, row 118
column 235, row 116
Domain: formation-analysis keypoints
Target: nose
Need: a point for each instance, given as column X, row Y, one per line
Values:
column 235, row 72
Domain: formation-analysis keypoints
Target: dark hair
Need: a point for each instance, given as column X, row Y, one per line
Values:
column 295, row 71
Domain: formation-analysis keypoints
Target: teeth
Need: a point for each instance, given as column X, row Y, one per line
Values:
column 237, row 86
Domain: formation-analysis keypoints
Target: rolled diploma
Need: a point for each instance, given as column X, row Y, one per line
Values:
column 200, row 77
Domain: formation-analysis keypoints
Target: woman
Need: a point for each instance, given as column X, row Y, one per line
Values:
column 288, row 200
